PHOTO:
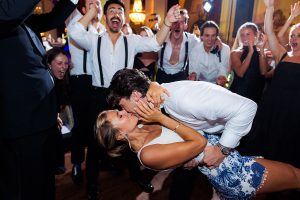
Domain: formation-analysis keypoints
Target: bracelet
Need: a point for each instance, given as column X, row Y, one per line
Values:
column 166, row 24
column 179, row 124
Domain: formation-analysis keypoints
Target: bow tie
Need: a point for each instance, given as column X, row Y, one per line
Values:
column 215, row 50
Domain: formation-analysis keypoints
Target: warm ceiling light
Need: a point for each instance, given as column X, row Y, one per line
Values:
column 137, row 14
column 207, row 6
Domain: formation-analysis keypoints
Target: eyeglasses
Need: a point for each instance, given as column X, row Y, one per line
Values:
column 114, row 11
column 154, row 19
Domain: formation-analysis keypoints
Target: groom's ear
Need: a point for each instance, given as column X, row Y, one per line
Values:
column 136, row 96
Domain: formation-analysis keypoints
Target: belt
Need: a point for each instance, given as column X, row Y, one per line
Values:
column 81, row 75
column 99, row 88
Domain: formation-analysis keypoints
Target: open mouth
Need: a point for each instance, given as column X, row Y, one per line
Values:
column 115, row 22
column 294, row 44
column 62, row 72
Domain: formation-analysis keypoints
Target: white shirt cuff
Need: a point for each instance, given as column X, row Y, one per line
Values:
column 230, row 141
column 74, row 1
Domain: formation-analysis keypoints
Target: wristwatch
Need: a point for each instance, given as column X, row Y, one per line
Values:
column 225, row 150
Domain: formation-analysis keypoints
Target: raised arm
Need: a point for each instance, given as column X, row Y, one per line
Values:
column 78, row 30
column 155, row 93
column 93, row 11
column 275, row 47
column 173, row 15
column 13, row 13
column 295, row 11
column 237, row 65
column 166, row 156
column 263, row 64
column 55, row 18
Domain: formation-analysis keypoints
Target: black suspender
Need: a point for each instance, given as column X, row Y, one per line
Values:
column 99, row 60
column 84, row 57
column 162, row 55
column 126, row 51
column 185, row 64
column 84, row 61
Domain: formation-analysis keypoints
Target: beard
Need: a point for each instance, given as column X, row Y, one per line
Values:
column 115, row 25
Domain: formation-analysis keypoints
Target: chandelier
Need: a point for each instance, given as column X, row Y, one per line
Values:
column 137, row 15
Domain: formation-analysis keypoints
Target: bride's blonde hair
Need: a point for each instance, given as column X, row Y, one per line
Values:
column 106, row 136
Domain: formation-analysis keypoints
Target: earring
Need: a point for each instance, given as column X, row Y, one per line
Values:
column 126, row 137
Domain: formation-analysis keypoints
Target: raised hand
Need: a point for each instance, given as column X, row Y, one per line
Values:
column 295, row 10
column 155, row 94
column 262, row 41
column 95, row 8
column 219, row 43
column 269, row 3
column 173, row 15
column 148, row 112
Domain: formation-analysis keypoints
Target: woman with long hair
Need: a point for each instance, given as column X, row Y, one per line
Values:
column 169, row 144
column 249, row 62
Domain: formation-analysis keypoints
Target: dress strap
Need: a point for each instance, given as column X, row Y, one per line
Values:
column 284, row 55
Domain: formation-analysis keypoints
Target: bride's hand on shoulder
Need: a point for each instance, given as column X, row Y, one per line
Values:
column 148, row 112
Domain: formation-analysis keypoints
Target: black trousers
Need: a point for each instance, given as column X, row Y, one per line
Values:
column 98, row 104
column 81, row 92
column 94, row 153
column 27, row 166
column 163, row 77
column 182, row 183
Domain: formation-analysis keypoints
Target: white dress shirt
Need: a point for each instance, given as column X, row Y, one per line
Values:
column 77, row 52
column 207, row 65
column 173, row 69
column 112, row 57
column 210, row 108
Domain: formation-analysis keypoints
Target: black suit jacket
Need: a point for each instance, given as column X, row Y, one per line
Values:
column 54, row 19
column 27, row 97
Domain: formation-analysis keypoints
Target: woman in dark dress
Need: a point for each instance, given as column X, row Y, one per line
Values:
column 249, row 63
column 277, row 132
column 146, row 61
column 58, row 63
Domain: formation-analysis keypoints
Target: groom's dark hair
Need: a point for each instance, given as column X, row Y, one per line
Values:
column 108, row 2
column 124, row 82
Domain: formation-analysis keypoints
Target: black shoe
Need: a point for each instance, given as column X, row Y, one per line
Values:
column 77, row 174
column 144, row 184
column 93, row 193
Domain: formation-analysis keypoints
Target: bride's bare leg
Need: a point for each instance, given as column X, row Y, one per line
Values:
column 281, row 176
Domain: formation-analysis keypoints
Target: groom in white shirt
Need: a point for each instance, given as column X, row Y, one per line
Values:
column 201, row 105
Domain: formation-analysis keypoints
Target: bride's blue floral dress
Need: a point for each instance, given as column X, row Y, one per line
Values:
column 237, row 177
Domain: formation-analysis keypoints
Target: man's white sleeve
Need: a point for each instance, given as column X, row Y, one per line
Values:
column 144, row 44
column 225, row 55
column 74, row 1
column 216, row 105
column 81, row 36
column 194, row 63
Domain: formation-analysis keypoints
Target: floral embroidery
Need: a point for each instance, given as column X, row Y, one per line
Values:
column 237, row 177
